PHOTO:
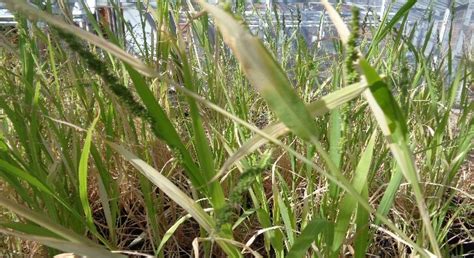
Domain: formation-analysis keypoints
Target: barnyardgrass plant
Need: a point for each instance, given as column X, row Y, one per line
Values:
column 212, row 141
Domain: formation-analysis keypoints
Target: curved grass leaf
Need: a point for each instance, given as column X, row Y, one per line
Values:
column 317, row 108
column 43, row 221
column 260, row 67
column 82, row 249
column 34, row 13
column 163, row 128
column 178, row 196
column 392, row 124
column 169, row 233
column 384, row 30
column 12, row 173
column 264, row 73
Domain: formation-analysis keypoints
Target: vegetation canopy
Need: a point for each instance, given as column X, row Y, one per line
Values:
column 211, row 138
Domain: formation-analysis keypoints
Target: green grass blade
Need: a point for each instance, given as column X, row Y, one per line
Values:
column 317, row 108
column 362, row 240
column 391, row 122
column 29, row 228
column 16, row 172
column 201, row 143
column 389, row 195
column 310, row 233
column 43, row 221
column 176, row 195
column 264, row 73
column 167, row 187
column 348, row 204
column 83, row 173
column 393, row 125
column 384, row 30
column 34, row 13
column 163, row 128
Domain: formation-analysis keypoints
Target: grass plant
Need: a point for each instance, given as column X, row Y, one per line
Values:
column 209, row 140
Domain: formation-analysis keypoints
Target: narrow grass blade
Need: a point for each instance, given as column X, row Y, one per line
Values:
column 43, row 221
column 362, row 240
column 18, row 173
column 34, row 13
column 167, row 187
column 311, row 232
column 389, row 195
column 385, row 29
column 83, row 173
column 163, row 128
column 175, row 194
column 265, row 74
column 348, row 204
column 393, row 125
column 29, row 228
column 316, row 108
column 76, row 248
column 169, row 233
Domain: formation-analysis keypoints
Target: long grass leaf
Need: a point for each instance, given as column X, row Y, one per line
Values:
column 265, row 74
column 393, row 125
column 34, row 13
column 43, row 221
column 390, row 119
column 316, row 108
column 348, row 204
column 310, row 233
column 175, row 194
column 83, row 173
column 83, row 249
column 163, row 128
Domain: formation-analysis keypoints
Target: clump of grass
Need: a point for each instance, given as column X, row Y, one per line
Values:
column 335, row 186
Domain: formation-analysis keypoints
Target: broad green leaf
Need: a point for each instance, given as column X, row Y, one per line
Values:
column 315, row 229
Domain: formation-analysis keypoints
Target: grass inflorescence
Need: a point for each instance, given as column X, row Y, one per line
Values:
column 352, row 54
